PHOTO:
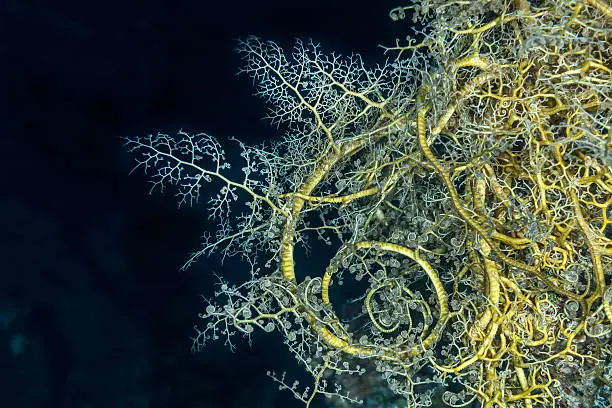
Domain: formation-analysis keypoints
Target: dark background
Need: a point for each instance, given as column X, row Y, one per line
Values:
column 93, row 309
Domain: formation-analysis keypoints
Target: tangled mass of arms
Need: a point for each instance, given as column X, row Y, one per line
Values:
column 466, row 187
